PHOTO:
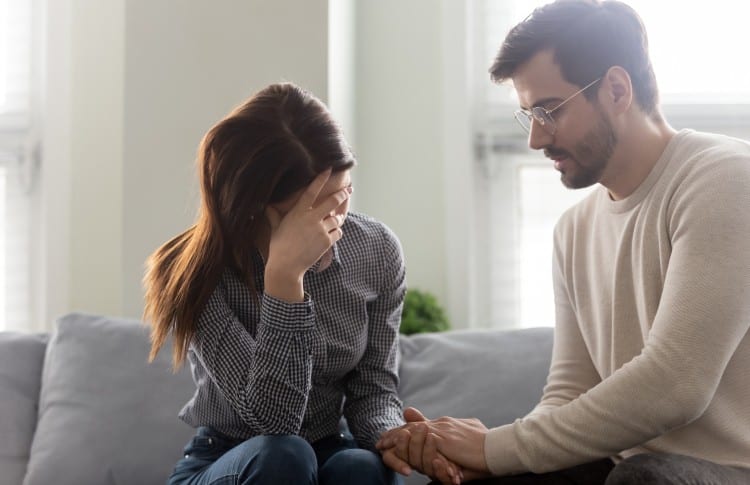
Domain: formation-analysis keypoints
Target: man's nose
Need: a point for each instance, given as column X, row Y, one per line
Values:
column 539, row 137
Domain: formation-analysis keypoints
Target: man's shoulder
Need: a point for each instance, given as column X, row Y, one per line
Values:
column 696, row 148
column 708, row 161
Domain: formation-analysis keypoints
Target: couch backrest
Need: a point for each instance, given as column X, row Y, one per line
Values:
column 21, row 358
column 496, row 376
column 107, row 416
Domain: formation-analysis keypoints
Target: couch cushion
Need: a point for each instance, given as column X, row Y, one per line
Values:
column 21, row 358
column 495, row 376
column 107, row 416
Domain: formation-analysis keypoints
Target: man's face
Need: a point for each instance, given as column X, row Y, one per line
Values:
column 583, row 140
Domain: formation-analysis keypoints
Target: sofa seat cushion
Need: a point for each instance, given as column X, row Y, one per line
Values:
column 21, row 358
column 107, row 416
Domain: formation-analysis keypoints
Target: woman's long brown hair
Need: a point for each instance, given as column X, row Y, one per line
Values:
column 264, row 151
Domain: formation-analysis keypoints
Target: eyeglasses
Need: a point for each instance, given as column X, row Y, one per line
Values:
column 543, row 116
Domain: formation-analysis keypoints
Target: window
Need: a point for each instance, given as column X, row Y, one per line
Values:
column 16, row 162
column 704, row 84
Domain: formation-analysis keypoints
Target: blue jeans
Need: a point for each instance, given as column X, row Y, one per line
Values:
column 214, row 459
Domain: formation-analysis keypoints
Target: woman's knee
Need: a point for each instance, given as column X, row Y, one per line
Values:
column 277, row 459
column 356, row 466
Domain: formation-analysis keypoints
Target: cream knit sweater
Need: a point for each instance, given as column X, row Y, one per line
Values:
column 652, row 298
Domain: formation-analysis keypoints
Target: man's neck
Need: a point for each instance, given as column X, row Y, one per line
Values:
column 638, row 150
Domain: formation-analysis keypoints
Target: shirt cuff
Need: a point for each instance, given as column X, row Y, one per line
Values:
column 283, row 315
column 501, row 451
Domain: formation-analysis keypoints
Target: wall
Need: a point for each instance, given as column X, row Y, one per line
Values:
column 139, row 83
column 185, row 68
column 147, row 79
column 97, row 128
column 412, row 139
column 398, row 115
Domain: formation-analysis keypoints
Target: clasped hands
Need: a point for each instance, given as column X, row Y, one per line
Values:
column 446, row 449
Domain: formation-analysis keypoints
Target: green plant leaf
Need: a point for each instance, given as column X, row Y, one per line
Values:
column 422, row 313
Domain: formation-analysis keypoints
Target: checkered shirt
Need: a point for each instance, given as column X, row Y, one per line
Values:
column 274, row 367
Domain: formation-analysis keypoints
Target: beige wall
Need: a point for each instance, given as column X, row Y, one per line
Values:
column 97, row 128
column 398, row 115
column 147, row 79
column 411, row 119
column 185, row 68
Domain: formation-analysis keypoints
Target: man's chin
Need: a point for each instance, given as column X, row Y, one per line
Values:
column 569, row 180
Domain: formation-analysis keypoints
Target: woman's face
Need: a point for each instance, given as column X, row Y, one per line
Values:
column 336, row 182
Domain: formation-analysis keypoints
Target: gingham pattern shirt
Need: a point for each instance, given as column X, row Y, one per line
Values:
column 274, row 367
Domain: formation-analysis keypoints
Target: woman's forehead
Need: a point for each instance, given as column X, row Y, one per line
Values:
column 337, row 181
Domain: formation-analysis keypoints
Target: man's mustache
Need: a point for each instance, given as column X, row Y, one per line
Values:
column 555, row 153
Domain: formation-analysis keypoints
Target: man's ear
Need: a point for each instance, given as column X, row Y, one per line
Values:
column 618, row 89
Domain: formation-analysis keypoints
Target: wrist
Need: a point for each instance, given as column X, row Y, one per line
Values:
column 284, row 284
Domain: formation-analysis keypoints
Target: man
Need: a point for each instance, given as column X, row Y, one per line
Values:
column 650, row 365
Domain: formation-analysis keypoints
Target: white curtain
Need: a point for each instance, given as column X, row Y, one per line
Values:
column 17, row 159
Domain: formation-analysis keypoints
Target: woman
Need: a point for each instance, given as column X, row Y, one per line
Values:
column 286, row 305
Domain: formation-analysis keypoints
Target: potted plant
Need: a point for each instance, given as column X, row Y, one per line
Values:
column 422, row 313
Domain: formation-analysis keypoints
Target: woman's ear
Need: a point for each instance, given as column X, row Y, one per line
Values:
column 618, row 89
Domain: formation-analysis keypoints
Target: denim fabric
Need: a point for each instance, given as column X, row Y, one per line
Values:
column 214, row 459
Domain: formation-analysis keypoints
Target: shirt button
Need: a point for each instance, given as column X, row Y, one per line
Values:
column 210, row 441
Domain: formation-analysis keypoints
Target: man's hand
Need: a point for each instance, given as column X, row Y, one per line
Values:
column 460, row 441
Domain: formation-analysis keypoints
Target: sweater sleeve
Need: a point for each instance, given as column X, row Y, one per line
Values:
column 703, row 314
column 265, row 379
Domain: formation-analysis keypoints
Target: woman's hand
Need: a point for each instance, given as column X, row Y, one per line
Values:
column 300, row 237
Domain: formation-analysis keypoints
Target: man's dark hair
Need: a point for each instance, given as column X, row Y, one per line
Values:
column 587, row 37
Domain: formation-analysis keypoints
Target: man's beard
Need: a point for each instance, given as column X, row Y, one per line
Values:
column 591, row 158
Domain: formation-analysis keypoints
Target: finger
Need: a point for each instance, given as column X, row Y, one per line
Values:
column 388, row 438
column 395, row 463
column 440, row 472
column 429, row 453
column 330, row 223
column 310, row 195
column 332, row 202
column 416, row 447
column 335, row 235
column 273, row 216
column 401, row 446
column 413, row 414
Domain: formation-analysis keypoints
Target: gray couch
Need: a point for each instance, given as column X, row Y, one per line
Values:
column 82, row 406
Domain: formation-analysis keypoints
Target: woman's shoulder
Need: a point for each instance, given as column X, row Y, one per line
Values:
column 365, row 225
column 363, row 228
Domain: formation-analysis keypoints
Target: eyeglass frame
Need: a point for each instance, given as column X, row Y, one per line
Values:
column 537, row 113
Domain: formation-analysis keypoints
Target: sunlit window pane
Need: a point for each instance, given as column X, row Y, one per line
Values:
column 3, row 53
column 698, row 49
column 542, row 200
